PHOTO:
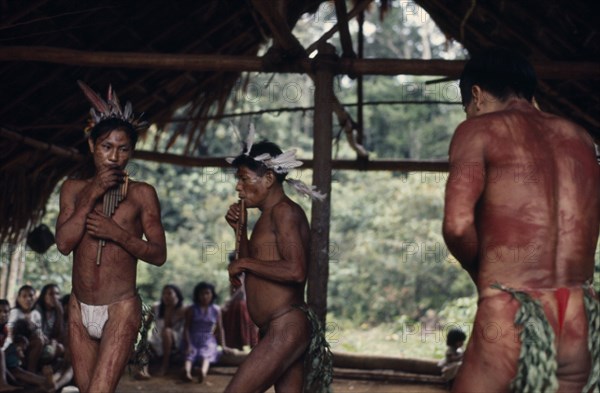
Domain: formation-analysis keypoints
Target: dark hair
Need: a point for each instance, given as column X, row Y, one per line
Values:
column 112, row 123
column 40, row 300
column 4, row 302
column 41, row 303
column 259, row 148
column 64, row 300
column 23, row 327
column 19, row 339
column 499, row 71
column 455, row 336
column 23, row 288
column 202, row 286
column 161, row 307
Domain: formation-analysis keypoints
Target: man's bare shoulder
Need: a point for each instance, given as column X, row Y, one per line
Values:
column 72, row 186
column 141, row 188
column 572, row 129
column 287, row 208
column 469, row 137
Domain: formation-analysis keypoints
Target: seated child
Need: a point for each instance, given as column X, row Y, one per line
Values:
column 203, row 329
column 14, row 356
column 4, row 311
column 454, row 354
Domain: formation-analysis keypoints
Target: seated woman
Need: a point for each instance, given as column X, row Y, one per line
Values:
column 166, row 338
column 24, row 309
column 52, row 316
column 54, row 353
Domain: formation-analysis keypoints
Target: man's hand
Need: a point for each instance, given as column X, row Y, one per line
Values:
column 233, row 215
column 107, row 178
column 101, row 226
column 235, row 270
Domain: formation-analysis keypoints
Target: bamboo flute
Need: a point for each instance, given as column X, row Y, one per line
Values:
column 239, row 229
column 110, row 201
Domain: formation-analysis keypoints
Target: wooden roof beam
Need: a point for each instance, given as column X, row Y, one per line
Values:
column 345, row 37
column 227, row 63
column 41, row 145
column 353, row 165
column 359, row 7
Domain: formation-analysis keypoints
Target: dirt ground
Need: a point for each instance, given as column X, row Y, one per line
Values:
column 218, row 378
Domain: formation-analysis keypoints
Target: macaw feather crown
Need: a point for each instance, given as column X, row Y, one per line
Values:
column 111, row 108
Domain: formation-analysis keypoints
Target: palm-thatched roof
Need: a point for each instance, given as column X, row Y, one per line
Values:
column 151, row 52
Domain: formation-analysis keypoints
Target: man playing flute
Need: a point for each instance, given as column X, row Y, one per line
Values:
column 274, row 265
column 104, row 309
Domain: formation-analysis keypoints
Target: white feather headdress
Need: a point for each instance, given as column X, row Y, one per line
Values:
column 283, row 163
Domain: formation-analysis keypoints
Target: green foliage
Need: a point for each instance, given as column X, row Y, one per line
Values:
column 387, row 255
column 388, row 238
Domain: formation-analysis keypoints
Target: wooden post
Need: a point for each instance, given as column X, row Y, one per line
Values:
column 318, row 271
column 4, row 269
column 17, row 258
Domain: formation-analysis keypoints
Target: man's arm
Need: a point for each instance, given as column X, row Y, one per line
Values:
column 74, row 207
column 77, row 201
column 292, row 250
column 219, row 331
column 464, row 188
column 152, row 250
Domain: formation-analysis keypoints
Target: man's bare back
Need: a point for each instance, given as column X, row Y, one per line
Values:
column 522, row 210
column 538, row 215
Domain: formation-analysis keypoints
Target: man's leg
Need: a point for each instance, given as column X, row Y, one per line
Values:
column 118, row 337
column 270, row 360
column 490, row 361
column 293, row 379
column 83, row 348
column 574, row 360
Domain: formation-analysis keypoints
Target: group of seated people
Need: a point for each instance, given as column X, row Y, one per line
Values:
column 188, row 336
column 34, row 340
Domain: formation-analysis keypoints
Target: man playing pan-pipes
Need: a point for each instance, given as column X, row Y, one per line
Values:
column 273, row 265
column 108, row 222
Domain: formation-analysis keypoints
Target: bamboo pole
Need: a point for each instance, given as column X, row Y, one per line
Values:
column 40, row 145
column 228, row 63
column 345, row 37
column 372, row 362
column 352, row 165
column 4, row 269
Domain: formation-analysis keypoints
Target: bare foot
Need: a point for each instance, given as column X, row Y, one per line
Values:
column 50, row 384
column 187, row 377
column 142, row 375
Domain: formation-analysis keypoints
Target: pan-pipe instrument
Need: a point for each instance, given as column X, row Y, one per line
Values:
column 239, row 228
column 110, row 201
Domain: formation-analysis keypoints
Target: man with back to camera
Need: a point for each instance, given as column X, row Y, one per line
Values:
column 522, row 218
column 104, row 308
